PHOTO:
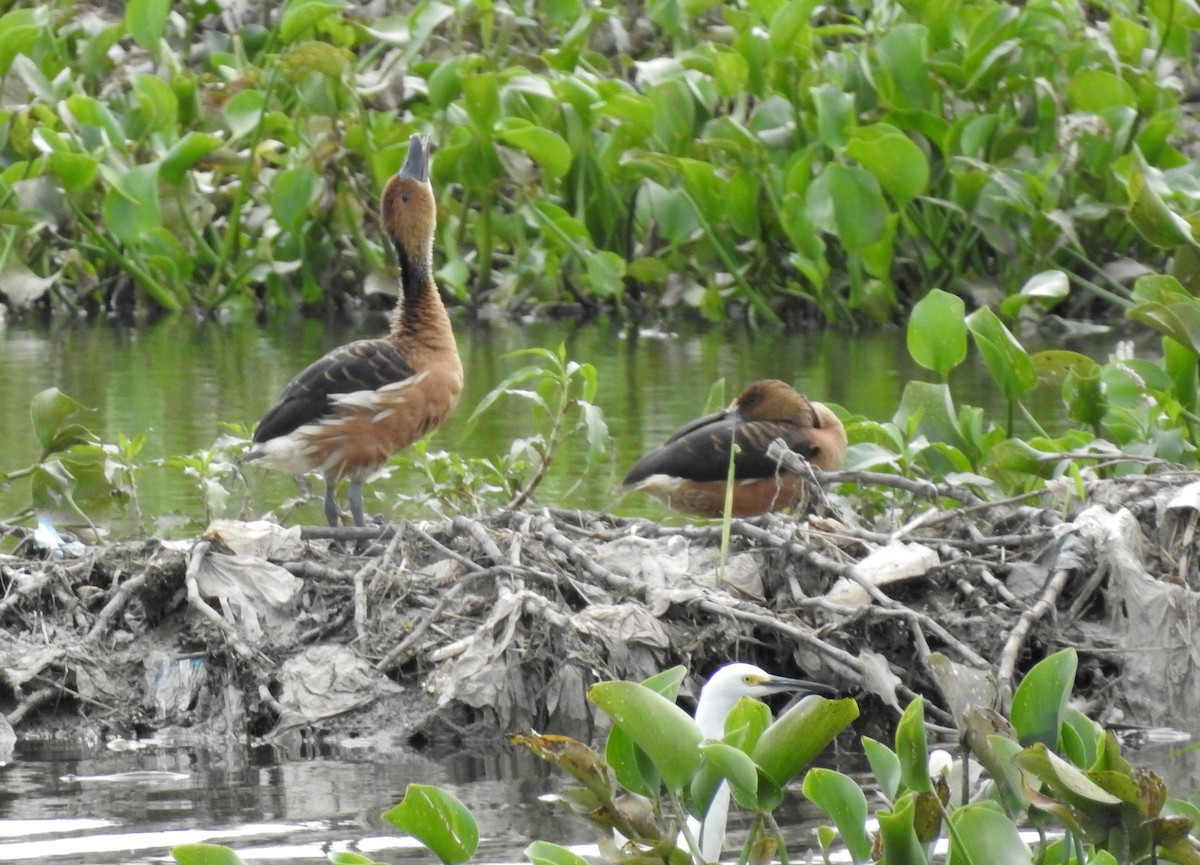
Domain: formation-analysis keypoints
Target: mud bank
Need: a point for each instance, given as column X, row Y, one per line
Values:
column 465, row 629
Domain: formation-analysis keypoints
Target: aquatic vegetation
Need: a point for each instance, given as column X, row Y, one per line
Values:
column 1047, row 766
column 777, row 160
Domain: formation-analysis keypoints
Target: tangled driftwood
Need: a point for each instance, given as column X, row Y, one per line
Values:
column 499, row 621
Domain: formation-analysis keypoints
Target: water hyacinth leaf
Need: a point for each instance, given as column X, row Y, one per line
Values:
column 1070, row 786
column 572, row 756
column 846, row 201
column 629, row 763
column 984, row 834
column 606, row 272
column 899, row 165
column 131, row 204
column 293, row 191
column 1086, row 397
column 844, row 803
column 1046, row 289
column 937, row 334
column 912, row 748
column 49, row 411
column 1097, row 90
column 835, row 114
column 481, row 97
column 243, row 112
column 1004, row 357
column 1151, row 216
column 737, row 768
column 1181, row 364
column 438, row 820
column 928, row 409
column 897, row 835
column 204, row 854
column 885, row 766
column 300, row 16
column 313, row 55
column 185, row 153
column 345, row 857
column 665, row 732
column 545, row 853
column 1040, row 699
column 800, row 734
column 1054, row 365
column 19, row 39
column 77, row 171
column 159, row 107
column 744, row 726
column 145, row 20
column 746, row 722
column 902, row 55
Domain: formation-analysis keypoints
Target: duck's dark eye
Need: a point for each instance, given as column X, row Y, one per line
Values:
column 404, row 196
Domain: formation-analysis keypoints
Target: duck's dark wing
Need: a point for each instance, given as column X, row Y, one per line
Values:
column 368, row 364
column 701, row 452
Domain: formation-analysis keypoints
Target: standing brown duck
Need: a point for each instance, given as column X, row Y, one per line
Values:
column 689, row 471
column 350, row 410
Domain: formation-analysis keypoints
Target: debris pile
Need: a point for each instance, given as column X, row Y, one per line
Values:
column 475, row 626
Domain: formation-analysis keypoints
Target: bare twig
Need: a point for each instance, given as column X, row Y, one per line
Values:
column 1016, row 638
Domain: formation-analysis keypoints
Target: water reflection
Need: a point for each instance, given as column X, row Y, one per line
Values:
column 290, row 810
column 177, row 381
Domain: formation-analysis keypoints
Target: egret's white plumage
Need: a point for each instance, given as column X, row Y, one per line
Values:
column 717, row 698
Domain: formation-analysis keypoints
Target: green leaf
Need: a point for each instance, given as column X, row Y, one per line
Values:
column 145, row 20
column 77, row 171
column 293, row 192
column 1149, row 213
column 546, row 148
column 800, row 734
column 344, row 857
column 846, row 201
column 885, row 766
column 302, row 15
column 902, row 55
column 1053, row 366
column 912, row 748
column 49, row 411
column 928, row 409
column 185, row 153
column 1098, row 90
column 545, row 853
column 843, row 801
column 665, row 732
column 1041, row 698
column 131, row 205
column 312, row 55
column 204, row 854
column 901, row 846
column 157, row 102
column 438, row 820
column 1004, row 357
column 984, row 834
column 899, row 165
column 937, row 334
column 737, row 768
column 244, row 111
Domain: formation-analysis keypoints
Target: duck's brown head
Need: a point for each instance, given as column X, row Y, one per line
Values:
column 775, row 400
column 408, row 206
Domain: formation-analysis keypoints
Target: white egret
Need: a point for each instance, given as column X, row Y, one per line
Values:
column 717, row 698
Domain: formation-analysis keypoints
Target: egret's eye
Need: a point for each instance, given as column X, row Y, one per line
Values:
column 749, row 680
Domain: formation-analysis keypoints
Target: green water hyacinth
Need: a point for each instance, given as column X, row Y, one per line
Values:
column 771, row 161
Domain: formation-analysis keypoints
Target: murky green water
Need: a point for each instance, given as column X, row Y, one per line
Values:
column 178, row 381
